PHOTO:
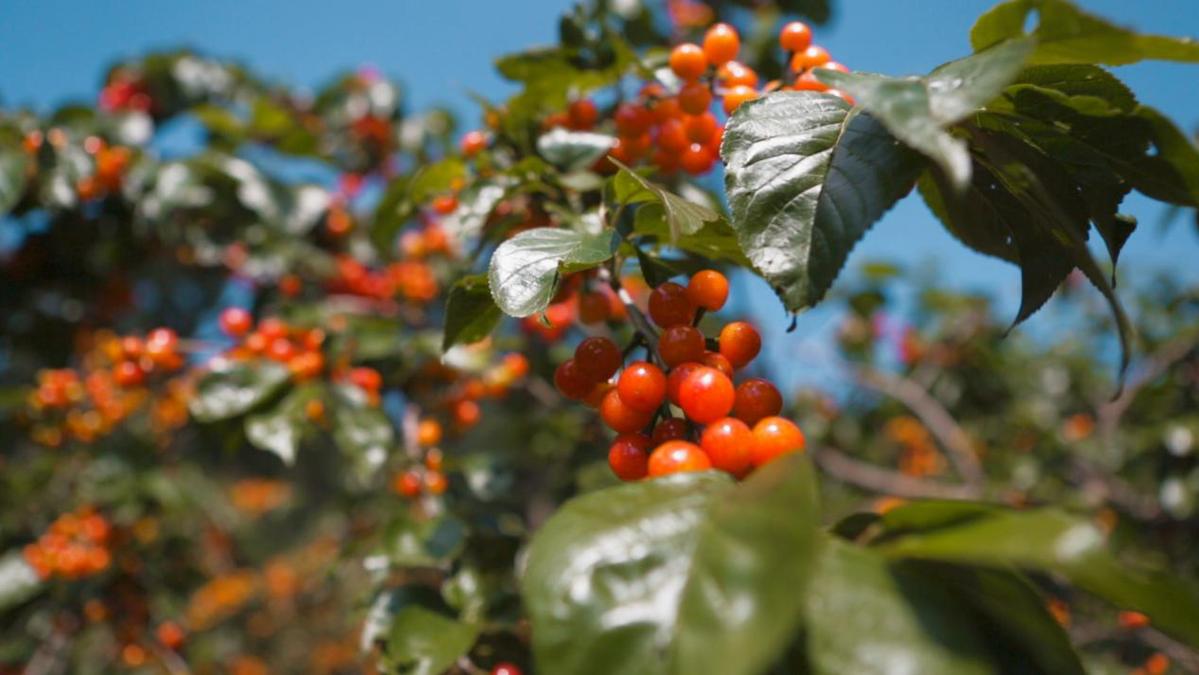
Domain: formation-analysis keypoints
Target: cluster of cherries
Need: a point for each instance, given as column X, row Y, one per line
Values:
column 741, row 429
column 76, row 545
column 428, row 477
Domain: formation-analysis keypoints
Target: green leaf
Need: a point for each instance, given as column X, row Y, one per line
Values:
column 806, row 177
column 682, row 574
column 234, row 388
column 866, row 616
column 406, row 195
column 13, row 162
column 18, row 581
column 683, row 216
column 572, row 150
column 714, row 241
column 1052, row 541
column 524, row 269
column 424, row 642
column 279, row 430
column 1066, row 34
column 470, row 313
column 475, row 205
column 431, row 542
column 919, row 110
column 363, row 430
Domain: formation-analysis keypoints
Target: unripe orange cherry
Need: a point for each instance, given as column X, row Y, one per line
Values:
column 677, row 457
column 708, row 289
column 735, row 96
column 642, row 386
column 688, row 61
column 740, row 343
column 669, row 306
column 620, row 417
column 672, row 137
column 755, row 399
column 700, row 128
column 628, row 456
column 735, row 74
column 681, row 343
column 706, row 395
column 812, row 57
column 445, row 204
column 598, row 358
column 795, row 36
column 428, row 432
column 721, row 44
column 774, row 437
column 236, row 321
column 728, row 442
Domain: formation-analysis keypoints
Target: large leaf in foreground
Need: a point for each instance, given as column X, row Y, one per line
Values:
column 684, row 574
column 1066, row 34
column 806, row 177
column 1053, row 541
column 470, row 313
column 524, row 270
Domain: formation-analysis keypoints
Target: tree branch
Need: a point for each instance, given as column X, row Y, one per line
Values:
column 885, row 481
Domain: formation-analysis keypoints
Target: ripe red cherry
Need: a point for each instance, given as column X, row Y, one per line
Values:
column 670, row 429
column 728, row 442
column 734, row 74
column 706, row 395
column 697, row 159
column 236, row 321
column 708, row 289
column 740, row 343
column 620, row 417
column 812, row 57
column 677, row 457
column 688, row 61
column 629, row 456
column 721, row 44
column 445, row 204
column 571, row 381
column 632, row 120
column 128, row 374
column 593, row 308
column 669, row 306
column 672, row 137
column 642, row 386
column 505, row 669
column 795, row 36
column 366, row 378
column 700, row 128
column 755, row 399
column 678, row 375
column 473, row 142
column 695, row 98
column 681, row 343
column 718, row 361
column 582, row 113
column 774, row 437
column 272, row 327
column 598, row 358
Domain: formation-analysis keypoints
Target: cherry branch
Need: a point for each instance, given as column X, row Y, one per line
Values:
column 885, row 481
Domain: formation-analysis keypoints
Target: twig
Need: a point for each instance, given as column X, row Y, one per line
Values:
column 885, row 481
column 1155, row 365
column 1179, row 653
column 640, row 323
column 934, row 415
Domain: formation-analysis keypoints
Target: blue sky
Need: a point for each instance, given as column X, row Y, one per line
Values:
column 52, row 51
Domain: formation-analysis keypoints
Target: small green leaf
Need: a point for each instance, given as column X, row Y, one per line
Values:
column 1066, row 34
column 1052, row 541
column 430, row 542
column 918, row 111
column 806, row 177
column 234, row 388
column 699, row 591
column 524, row 270
column 279, row 430
column 362, row 430
column 470, row 313
column 424, row 642
column 714, row 241
column 683, row 216
column 13, row 162
column 573, row 150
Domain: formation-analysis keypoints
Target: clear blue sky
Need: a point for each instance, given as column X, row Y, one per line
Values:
column 52, row 51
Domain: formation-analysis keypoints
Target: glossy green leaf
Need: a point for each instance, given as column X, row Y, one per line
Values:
column 470, row 313
column 675, row 575
column 572, row 150
column 806, row 177
column 429, row 542
column 683, row 216
column 234, row 388
column 918, row 111
column 524, row 270
column 18, row 581
column 424, row 642
column 1067, row 34
column 363, row 430
column 714, row 241
column 1052, row 541
column 279, row 430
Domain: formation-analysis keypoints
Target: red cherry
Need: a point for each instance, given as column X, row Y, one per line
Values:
column 677, row 457
column 740, row 343
column 620, row 417
column 795, row 36
column 756, row 398
column 678, row 375
column 681, row 343
column 642, row 386
column 669, row 306
column 629, row 456
column 774, row 437
column 598, row 358
column 708, row 289
column 236, row 321
column 671, row 429
column 571, row 381
column 728, row 442
column 706, row 395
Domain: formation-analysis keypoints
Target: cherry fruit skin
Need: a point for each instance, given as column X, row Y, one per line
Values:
column 796, row 36
column 669, row 305
column 506, row 669
column 620, row 417
column 571, row 381
column 773, row 438
column 236, row 321
column 756, row 399
column 706, row 395
column 680, row 344
column 721, row 44
column 628, row 456
column 642, row 386
column 708, row 289
column 678, row 375
column 598, row 358
column 677, row 457
column 728, row 442
column 688, row 61
column 739, row 343
column 670, row 429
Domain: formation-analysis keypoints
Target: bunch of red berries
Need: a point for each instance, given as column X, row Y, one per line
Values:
column 738, row 427
column 75, row 546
